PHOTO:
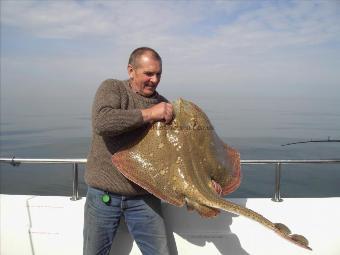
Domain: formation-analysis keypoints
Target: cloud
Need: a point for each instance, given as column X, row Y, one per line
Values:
column 234, row 42
column 172, row 20
column 73, row 19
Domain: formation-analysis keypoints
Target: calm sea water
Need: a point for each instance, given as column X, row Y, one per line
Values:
column 256, row 127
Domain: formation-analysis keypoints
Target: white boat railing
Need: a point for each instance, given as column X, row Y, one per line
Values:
column 75, row 162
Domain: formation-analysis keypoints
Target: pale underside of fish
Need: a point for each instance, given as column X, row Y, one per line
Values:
column 178, row 163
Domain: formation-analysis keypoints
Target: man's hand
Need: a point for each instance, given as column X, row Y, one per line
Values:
column 162, row 111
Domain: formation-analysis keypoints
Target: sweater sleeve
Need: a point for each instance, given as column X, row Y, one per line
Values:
column 108, row 118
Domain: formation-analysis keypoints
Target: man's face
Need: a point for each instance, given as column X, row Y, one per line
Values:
column 145, row 77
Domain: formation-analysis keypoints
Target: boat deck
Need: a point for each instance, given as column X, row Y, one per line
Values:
column 53, row 225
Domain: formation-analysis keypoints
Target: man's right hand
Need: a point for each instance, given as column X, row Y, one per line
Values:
column 159, row 112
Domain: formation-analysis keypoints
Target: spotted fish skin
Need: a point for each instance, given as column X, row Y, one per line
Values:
column 177, row 162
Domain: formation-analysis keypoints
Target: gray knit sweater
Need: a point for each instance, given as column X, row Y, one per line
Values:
column 116, row 122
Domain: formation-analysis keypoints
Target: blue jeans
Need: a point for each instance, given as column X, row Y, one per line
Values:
column 143, row 217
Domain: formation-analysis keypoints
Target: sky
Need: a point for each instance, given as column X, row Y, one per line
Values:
column 56, row 53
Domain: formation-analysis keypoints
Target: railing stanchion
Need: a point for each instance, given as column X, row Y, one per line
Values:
column 75, row 195
column 277, row 193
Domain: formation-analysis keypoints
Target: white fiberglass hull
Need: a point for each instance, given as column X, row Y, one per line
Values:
column 53, row 225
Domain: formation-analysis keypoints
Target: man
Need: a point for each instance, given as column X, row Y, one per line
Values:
column 121, row 112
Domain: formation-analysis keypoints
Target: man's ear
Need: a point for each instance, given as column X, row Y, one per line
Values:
column 131, row 71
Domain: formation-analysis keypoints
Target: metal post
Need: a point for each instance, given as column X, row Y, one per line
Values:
column 277, row 195
column 75, row 195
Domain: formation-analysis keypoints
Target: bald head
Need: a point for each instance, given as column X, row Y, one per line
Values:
column 139, row 53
